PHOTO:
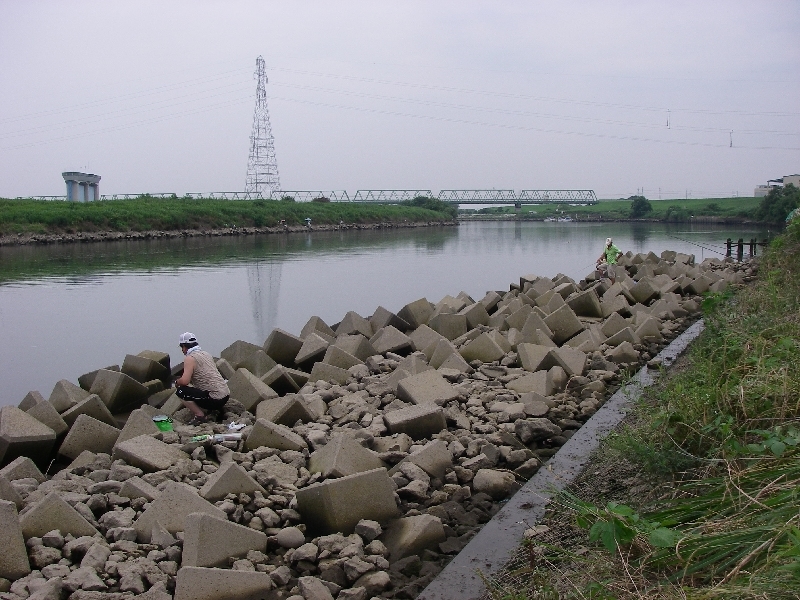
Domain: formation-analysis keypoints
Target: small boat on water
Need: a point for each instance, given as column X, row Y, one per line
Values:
column 565, row 219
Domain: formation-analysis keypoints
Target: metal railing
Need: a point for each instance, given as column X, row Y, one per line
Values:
column 390, row 196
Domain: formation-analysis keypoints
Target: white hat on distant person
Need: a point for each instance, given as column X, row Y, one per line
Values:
column 187, row 338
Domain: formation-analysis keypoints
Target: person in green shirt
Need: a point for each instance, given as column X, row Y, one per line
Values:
column 607, row 262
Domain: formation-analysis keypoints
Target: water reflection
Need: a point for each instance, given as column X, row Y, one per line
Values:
column 65, row 310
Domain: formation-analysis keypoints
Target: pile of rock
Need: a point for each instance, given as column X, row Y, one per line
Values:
column 372, row 451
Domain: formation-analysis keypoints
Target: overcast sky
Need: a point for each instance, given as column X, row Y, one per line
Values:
column 158, row 96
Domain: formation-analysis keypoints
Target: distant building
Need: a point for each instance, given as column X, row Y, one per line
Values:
column 82, row 187
column 763, row 190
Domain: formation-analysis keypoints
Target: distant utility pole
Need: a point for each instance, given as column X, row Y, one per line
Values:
column 262, row 166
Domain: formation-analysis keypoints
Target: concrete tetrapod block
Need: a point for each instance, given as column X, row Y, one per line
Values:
column 284, row 411
column 354, row 323
column 450, row 326
column 535, row 357
column 30, row 400
column 540, row 382
column 482, row 348
column 415, row 363
column 52, row 512
column 456, row 362
column 476, row 314
column 533, row 323
column 136, row 487
column 586, row 304
column 490, row 300
column 614, row 324
column 22, row 468
column 624, row 335
column 282, row 346
column 412, row 535
column 249, row 389
column 418, row 422
column 281, row 382
column 14, row 557
column 91, row 406
column 313, row 349
column 573, row 361
column 10, row 494
column 423, row 336
column 325, row 372
column 23, row 435
column 441, row 350
column 144, row 369
column 140, row 422
column 391, row 339
column 66, row 394
column 340, row 358
column 519, row 317
column 258, row 363
column 210, row 541
column 238, row 351
column 563, row 323
column 434, row 458
column 90, row 434
column 316, row 325
column 428, row 387
column 624, row 353
column 176, row 501
column 356, row 345
column 645, row 290
column 230, row 478
column 500, row 340
column 45, row 413
column 203, row 583
column 118, row 391
column 273, row 435
column 148, row 453
column 343, row 456
column 649, row 330
column 417, row 313
column 337, row 505
column 383, row 317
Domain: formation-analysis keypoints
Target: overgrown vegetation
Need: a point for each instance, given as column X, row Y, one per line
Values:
column 778, row 204
column 433, row 204
column 147, row 213
column 640, row 206
column 722, row 436
column 661, row 210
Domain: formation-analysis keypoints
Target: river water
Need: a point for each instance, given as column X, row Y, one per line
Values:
column 69, row 309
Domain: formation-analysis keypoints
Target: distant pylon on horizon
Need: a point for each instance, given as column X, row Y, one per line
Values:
column 262, row 166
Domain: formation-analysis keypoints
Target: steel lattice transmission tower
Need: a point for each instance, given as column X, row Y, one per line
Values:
column 262, row 166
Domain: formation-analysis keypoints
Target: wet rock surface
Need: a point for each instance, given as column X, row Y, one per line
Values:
column 361, row 476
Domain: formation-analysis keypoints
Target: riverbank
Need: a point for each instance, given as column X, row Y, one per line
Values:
column 21, row 239
column 146, row 217
column 696, row 493
column 424, row 421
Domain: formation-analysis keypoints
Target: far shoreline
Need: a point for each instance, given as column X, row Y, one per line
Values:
column 25, row 239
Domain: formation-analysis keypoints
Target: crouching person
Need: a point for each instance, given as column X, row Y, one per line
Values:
column 201, row 388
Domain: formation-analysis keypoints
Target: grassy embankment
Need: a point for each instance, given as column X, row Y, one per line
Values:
column 663, row 210
column 152, row 214
column 714, row 451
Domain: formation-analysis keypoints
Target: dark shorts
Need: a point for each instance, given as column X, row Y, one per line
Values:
column 200, row 397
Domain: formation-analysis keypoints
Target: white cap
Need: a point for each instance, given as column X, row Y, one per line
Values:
column 609, row 242
column 187, row 338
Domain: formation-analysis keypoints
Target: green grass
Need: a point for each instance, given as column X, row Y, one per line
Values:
column 663, row 210
column 146, row 213
column 723, row 434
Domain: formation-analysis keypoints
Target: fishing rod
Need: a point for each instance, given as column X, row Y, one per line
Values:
column 698, row 245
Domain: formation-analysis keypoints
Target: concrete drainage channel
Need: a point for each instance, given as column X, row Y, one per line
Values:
column 496, row 542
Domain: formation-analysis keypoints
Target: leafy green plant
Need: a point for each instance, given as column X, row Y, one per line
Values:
column 617, row 525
